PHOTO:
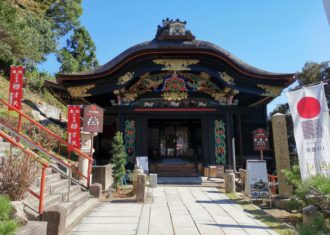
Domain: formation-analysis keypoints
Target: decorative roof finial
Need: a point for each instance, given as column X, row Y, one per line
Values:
column 174, row 30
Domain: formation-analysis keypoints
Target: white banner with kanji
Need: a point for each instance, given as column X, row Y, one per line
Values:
column 310, row 116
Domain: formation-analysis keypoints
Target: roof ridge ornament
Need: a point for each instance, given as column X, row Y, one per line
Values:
column 174, row 30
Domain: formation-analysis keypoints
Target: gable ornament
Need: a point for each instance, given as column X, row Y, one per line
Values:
column 175, row 64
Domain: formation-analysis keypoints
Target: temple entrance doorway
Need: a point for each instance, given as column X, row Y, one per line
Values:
column 174, row 146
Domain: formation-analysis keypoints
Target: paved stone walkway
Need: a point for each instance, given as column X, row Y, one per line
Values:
column 173, row 210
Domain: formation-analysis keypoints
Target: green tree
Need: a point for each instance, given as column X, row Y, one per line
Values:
column 24, row 37
column 311, row 73
column 79, row 54
column 65, row 15
column 30, row 29
column 315, row 72
column 118, row 159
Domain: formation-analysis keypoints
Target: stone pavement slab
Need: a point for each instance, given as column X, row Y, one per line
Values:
column 173, row 210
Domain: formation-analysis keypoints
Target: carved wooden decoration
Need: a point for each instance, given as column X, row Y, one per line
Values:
column 225, row 77
column 272, row 91
column 125, row 78
column 80, row 91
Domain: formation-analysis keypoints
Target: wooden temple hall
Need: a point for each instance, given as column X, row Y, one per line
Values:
column 178, row 100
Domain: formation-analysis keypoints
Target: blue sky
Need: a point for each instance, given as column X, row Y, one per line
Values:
column 274, row 35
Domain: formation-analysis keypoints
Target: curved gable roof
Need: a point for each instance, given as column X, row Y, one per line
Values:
column 158, row 47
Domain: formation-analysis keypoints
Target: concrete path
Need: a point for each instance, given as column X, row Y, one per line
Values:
column 173, row 210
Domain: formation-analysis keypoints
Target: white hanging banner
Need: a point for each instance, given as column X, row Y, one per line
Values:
column 310, row 116
column 326, row 4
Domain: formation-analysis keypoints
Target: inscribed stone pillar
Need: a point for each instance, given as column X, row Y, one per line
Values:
column 281, row 153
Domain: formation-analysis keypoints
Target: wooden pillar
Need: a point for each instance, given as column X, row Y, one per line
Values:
column 205, row 140
column 141, row 140
column 240, row 139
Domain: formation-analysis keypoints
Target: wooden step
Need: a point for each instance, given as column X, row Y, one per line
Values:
column 176, row 169
column 173, row 170
column 176, row 174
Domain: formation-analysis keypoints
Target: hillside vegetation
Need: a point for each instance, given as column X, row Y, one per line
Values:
column 32, row 96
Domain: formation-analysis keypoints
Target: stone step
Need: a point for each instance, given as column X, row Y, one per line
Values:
column 80, row 212
column 50, row 179
column 79, row 198
column 36, row 189
column 75, row 201
column 49, row 201
column 180, row 180
column 58, row 185
column 74, row 189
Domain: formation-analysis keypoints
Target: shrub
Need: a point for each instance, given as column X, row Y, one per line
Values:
column 293, row 176
column 5, row 208
column 118, row 159
column 319, row 226
column 17, row 173
column 7, row 225
column 295, row 204
column 316, row 191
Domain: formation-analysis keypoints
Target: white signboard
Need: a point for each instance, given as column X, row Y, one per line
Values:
column 310, row 116
column 256, row 181
column 143, row 162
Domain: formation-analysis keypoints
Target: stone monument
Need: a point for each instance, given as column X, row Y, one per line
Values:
column 282, row 156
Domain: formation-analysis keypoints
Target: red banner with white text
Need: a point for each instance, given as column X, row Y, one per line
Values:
column 74, row 125
column 16, row 86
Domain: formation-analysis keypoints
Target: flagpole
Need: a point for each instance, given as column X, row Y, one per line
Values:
column 308, row 85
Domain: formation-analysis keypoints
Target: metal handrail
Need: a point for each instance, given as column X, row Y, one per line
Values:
column 58, row 138
column 44, row 165
column 46, row 153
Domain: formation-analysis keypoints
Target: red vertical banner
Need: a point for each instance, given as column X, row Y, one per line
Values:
column 16, row 86
column 74, row 125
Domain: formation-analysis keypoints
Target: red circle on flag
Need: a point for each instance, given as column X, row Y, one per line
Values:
column 308, row 107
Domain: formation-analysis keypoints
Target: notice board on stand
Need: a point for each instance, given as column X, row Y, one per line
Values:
column 256, row 180
column 143, row 162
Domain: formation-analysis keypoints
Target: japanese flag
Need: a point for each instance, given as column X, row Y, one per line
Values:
column 310, row 116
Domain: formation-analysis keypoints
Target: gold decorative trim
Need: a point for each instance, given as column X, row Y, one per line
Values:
column 272, row 91
column 125, row 78
column 205, row 75
column 228, row 79
column 175, row 64
column 80, row 91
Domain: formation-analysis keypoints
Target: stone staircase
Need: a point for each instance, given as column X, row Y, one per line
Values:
column 77, row 204
column 176, row 170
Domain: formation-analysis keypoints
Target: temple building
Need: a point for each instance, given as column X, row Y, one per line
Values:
column 178, row 100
